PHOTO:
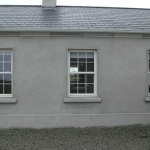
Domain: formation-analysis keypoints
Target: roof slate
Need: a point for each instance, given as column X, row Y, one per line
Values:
column 70, row 18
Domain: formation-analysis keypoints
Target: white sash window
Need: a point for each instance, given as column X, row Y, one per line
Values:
column 82, row 73
column 6, row 74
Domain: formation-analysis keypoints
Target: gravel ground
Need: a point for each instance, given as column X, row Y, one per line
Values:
column 94, row 138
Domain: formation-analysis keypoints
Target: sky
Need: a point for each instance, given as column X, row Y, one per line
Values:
column 99, row 3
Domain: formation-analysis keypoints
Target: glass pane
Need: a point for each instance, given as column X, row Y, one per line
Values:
column 7, row 78
column 7, row 67
column 149, row 89
column 81, row 88
column 73, row 78
column 7, row 53
column 90, row 57
column 90, row 88
column 90, row 78
column 82, row 57
column 82, row 67
column 73, row 88
column 1, row 78
column 7, row 88
column 90, row 67
column 73, row 56
column 1, row 88
column 1, row 67
column 73, row 64
column 1, row 57
column 82, row 78
column 7, row 57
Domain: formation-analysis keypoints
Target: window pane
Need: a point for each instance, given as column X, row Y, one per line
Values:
column 7, row 67
column 90, row 78
column 82, row 78
column 7, row 88
column 86, row 78
column 82, row 57
column 7, row 53
column 7, row 78
column 149, row 89
column 73, row 56
column 1, row 78
column 82, row 67
column 7, row 57
column 73, row 64
column 1, row 57
column 90, row 88
column 1, row 67
column 1, row 88
column 73, row 78
column 90, row 67
column 90, row 57
column 73, row 88
column 81, row 88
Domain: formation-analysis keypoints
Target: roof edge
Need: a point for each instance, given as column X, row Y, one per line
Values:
column 9, row 5
column 40, row 5
column 72, row 30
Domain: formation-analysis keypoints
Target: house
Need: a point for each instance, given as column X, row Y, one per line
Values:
column 66, row 66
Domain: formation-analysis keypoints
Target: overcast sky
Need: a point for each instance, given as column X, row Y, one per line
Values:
column 103, row 3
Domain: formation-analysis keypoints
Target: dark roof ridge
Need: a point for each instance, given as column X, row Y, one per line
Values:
column 20, row 5
column 104, row 7
column 77, row 6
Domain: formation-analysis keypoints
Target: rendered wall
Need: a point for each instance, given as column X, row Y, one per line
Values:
column 40, row 83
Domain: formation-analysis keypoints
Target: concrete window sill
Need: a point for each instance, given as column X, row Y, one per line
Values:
column 82, row 100
column 8, row 100
column 147, row 99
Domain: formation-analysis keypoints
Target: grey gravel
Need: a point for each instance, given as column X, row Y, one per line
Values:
column 135, row 137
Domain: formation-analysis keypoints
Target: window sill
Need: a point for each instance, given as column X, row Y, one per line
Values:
column 82, row 100
column 8, row 100
column 147, row 99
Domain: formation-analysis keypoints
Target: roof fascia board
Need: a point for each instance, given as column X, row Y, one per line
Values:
column 131, row 35
column 98, row 35
column 76, row 34
column 9, row 33
column 27, row 33
column 73, row 30
column 50, row 34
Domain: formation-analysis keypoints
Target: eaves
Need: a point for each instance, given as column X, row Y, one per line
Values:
column 74, row 32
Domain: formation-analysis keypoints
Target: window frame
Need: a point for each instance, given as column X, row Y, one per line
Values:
column 94, row 73
column 148, row 52
column 10, row 51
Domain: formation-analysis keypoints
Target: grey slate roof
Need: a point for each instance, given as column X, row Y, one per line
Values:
column 74, row 18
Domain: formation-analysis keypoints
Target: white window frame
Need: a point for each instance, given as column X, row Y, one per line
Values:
column 95, row 73
column 148, row 53
column 8, row 95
